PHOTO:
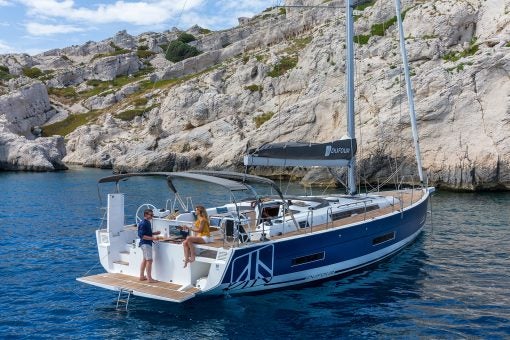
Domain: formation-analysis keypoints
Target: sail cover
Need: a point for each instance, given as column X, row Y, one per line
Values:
column 336, row 153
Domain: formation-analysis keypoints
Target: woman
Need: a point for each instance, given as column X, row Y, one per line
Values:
column 202, row 235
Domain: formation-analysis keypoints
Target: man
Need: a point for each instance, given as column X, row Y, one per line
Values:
column 146, row 237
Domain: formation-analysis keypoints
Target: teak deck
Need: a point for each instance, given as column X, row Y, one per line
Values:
column 156, row 290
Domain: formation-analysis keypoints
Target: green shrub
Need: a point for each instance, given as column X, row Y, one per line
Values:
column 143, row 48
column 298, row 44
column 33, row 72
column 142, row 54
column 245, row 58
column 254, row 88
column 116, row 48
column 142, row 101
column 64, row 92
column 4, row 73
column 204, row 31
column 117, row 51
column 95, row 82
column 454, row 56
column 365, row 5
column 129, row 114
column 69, row 124
column 177, row 51
column 259, row 120
column 186, row 37
column 285, row 64
column 282, row 11
column 379, row 29
column 361, row 39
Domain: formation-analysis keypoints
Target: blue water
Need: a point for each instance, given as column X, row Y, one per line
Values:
column 454, row 282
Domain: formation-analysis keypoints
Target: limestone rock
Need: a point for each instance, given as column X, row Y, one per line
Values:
column 244, row 90
column 25, row 108
column 19, row 153
column 124, row 40
column 110, row 67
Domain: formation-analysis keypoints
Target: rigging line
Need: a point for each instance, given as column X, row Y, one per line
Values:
column 400, row 141
column 178, row 21
column 360, row 143
column 176, row 25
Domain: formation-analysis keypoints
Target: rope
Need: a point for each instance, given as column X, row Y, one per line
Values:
column 74, row 291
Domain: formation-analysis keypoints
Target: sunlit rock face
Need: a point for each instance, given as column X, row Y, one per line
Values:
column 280, row 76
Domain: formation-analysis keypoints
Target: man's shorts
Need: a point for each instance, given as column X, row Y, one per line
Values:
column 147, row 252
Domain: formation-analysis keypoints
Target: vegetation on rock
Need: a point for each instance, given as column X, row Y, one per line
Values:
column 285, row 64
column 32, row 72
column 117, row 51
column 143, row 52
column 186, row 37
column 254, row 88
column 131, row 114
column 69, row 124
column 178, row 51
column 454, row 56
column 4, row 73
column 259, row 120
column 64, row 92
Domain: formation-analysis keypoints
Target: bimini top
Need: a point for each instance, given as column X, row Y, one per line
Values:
column 240, row 177
column 230, row 180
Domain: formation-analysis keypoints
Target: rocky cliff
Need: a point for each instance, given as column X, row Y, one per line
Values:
column 279, row 76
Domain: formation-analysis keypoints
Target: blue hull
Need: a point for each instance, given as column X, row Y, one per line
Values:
column 311, row 257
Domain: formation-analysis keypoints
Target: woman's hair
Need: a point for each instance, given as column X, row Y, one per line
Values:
column 202, row 212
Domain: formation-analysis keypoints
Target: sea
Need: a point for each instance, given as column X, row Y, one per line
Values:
column 453, row 282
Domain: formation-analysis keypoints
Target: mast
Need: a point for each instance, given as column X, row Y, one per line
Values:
column 409, row 89
column 349, row 32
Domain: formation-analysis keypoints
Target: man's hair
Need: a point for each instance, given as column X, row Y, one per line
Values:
column 147, row 211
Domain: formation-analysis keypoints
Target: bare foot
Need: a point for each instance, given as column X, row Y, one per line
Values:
column 152, row 281
column 186, row 261
column 191, row 260
column 143, row 278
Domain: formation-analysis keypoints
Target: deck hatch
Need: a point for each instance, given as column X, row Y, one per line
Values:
column 348, row 213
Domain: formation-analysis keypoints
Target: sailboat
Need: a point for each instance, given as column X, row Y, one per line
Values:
column 261, row 238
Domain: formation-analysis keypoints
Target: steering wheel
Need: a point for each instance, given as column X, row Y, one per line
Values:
column 140, row 210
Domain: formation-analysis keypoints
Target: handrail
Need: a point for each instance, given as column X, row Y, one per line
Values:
column 329, row 215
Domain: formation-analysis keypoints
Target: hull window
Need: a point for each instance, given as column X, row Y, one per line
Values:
column 383, row 238
column 307, row 259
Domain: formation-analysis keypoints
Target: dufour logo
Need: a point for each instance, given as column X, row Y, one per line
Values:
column 328, row 150
column 331, row 150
